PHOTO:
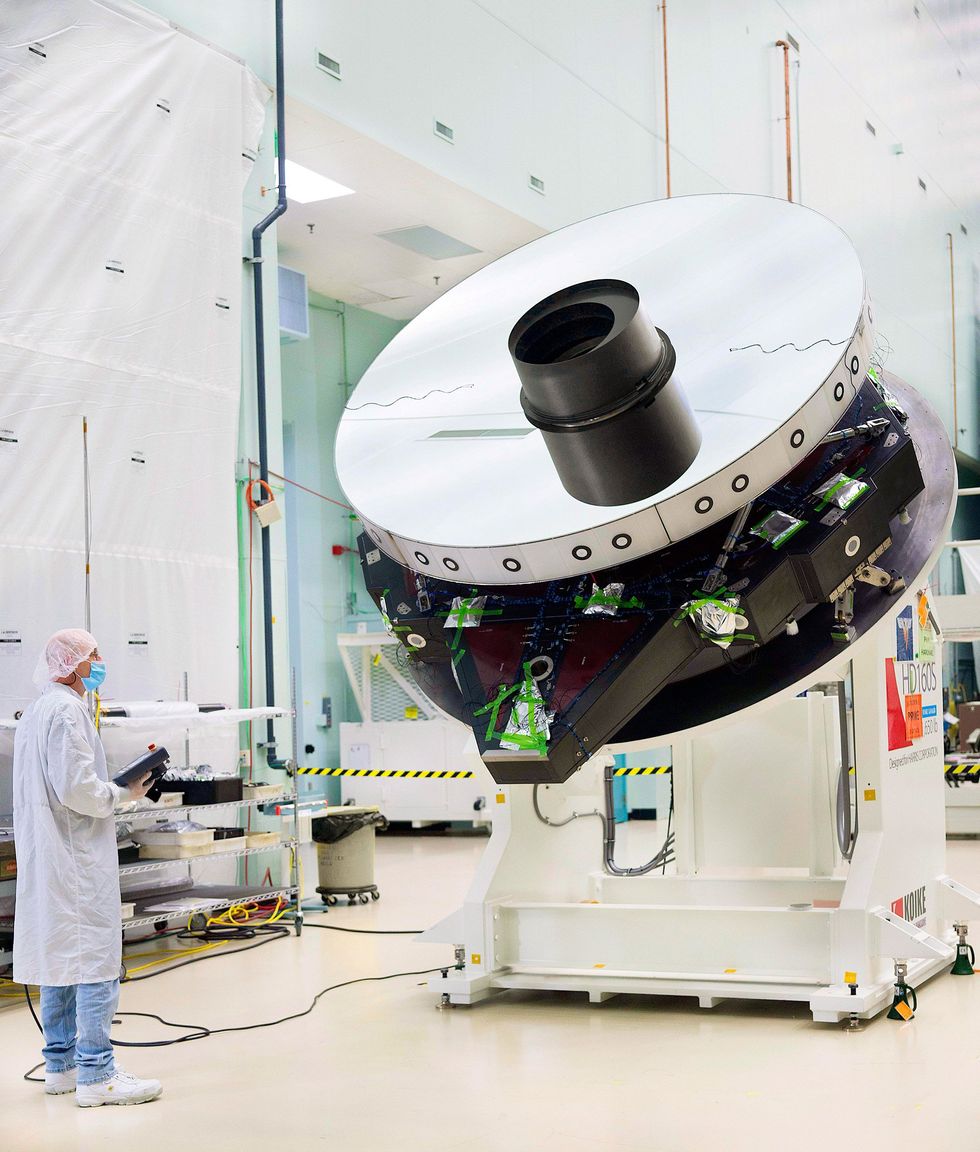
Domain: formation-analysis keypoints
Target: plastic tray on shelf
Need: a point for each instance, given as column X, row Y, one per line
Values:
column 227, row 837
column 261, row 791
column 262, row 839
column 185, row 839
column 219, row 790
column 176, row 851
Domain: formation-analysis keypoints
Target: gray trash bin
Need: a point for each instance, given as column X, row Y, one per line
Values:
column 345, row 854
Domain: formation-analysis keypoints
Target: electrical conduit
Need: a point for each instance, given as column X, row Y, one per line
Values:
column 256, row 261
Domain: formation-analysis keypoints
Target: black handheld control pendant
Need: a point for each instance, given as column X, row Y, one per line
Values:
column 154, row 760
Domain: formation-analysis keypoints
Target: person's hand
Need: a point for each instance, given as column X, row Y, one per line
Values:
column 139, row 788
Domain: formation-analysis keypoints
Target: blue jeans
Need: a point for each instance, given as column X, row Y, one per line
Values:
column 77, row 1020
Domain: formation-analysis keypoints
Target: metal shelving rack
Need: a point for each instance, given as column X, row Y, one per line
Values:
column 156, row 813
column 201, row 907
column 231, row 854
column 245, row 892
column 289, row 796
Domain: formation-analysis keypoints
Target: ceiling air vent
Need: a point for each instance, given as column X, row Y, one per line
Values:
column 326, row 64
column 536, row 183
column 294, row 312
column 443, row 131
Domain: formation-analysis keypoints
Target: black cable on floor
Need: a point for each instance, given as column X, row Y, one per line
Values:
column 30, row 1004
column 272, row 932
column 331, row 988
column 201, row 1032
column 198, row 1033
column 367, row 931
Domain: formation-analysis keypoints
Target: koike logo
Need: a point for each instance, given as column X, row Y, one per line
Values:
column 912, row 906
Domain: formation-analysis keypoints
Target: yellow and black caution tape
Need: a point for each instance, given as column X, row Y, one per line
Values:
column 387, row 774
column 395, row 774
column 968, row 772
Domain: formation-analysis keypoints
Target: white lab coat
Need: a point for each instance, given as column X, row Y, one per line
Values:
column 67, row 926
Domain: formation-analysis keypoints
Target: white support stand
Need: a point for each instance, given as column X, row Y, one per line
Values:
column 762, row 904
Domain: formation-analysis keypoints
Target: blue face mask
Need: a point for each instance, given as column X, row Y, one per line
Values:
column 95, row 677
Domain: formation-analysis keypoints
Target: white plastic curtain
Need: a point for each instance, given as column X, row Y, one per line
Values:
column 124, row 147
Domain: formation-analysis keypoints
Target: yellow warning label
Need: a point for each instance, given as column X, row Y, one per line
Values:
column 476, row 958
column 501, row 798
column 903, row 1010
column 870, row 794
column 411, row 712
column 850, row 977
column 730, row 971
column 598, row 965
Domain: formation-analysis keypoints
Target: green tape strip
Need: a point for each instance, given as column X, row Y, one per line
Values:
column 609, row 601
column 690, row 609
column 466, row 609
column 526, row 694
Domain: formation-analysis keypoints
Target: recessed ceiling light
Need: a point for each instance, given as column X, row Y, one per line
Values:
column 306, row 186
column 429, row 242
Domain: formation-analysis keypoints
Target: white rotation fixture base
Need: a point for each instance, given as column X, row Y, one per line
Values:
column 767, row 910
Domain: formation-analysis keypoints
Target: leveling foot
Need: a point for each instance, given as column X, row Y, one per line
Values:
column 905, row 1003
column 965, row 955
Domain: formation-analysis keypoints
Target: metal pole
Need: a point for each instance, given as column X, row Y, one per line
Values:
column 295, row 877
column 799, row 140
column 663, row 19
column 789, row 137
column 844, row 828
column 187, row 731
column 257, row 231
column 952, row 321
column 88, row 527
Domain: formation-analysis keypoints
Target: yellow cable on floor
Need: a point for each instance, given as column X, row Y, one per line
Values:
column 239, row 915
column 176, row 956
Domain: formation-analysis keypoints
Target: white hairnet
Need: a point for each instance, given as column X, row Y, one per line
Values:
column 62, row 654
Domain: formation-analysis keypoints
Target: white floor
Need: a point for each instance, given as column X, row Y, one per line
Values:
column 376, row 1067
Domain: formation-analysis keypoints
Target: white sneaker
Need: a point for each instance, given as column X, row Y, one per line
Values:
column 58, row 1083
column 121, row 1089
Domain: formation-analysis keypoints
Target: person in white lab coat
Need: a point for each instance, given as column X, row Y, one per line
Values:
column 67, row 921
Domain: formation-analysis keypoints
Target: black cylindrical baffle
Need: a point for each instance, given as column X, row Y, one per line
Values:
column 597, row 380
